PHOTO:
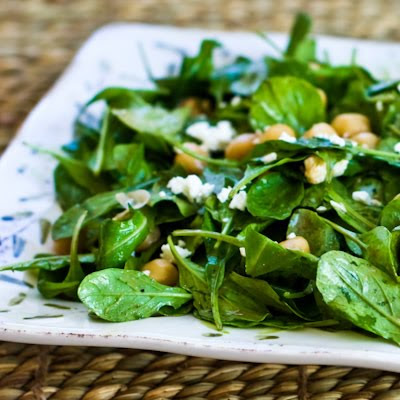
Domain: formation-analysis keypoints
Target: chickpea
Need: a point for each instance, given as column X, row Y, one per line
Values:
column 196, row 105
column 62, row 246
column 350, row 124
column 274, row 132
column 322, row 130
column 241, row 146
column 367, row 140
column 190, row 164
column 315, row 169
column 298, row 243
column 323, row 96
column 162, row 271
column 151, row 238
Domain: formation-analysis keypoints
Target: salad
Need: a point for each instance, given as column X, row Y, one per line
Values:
column 256, row 193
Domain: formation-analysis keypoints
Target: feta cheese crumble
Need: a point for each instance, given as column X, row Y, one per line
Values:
column 340, row 168
column 364, row 197
column 242, row 251
column 239, row 201
column 223, row 195
column 192, row 187
column 287, row 138
column 291, row 235
column 212, row 137
column 236, row 100
column 322, row 209
column 396, row 147
column 166, row 252
column 270, row 157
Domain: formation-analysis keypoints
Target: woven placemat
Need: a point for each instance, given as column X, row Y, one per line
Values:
column 29, row 372
column 37, row 40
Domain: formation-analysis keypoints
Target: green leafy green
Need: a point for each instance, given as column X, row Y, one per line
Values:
column 286, row 100
column 120, row 295
column 119, row 239
column 274, row 196
column 357, row 291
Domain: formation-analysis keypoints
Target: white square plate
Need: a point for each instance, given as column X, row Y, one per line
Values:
column 111, row 57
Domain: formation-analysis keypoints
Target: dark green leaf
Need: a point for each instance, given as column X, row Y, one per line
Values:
column 286, row 100
column 274, row 196
column 122, row 295
column 320, row 236
column 119, row 239
column 360, row 293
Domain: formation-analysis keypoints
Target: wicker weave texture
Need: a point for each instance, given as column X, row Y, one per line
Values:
column 30, row 372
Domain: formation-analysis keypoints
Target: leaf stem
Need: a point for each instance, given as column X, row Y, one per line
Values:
column 345, row 232
column 209, row 234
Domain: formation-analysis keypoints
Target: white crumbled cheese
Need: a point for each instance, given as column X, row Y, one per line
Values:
column 287, row 138
column 291, row 235
column 166, row 252
column 340, row 168
column 213, row 137
column 364, row 197
column 223, row 195
column 242, row 251
column 322, row 209
column 337, row 205
column 270, row 157
column 235, row 101
column 379, row 105
column 192, row 187
column 396, row 147
column 225, row 219
column 239, row 201
column 162, row 194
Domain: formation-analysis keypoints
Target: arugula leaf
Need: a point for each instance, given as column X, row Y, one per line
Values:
column 154, row 124
column 68, row 192
column 130, row 161
column 95, row 206
column 263, row 256
column 119, row 239
column 121, row 97
column 358, row 292
column 381, row 249
column 274, row 196
column 320, row 235
column 78, row 171
column 390, row 216
column 125, row 295
column 300, row 46
column 260, row 290
column 287, row 100
column 49, row 263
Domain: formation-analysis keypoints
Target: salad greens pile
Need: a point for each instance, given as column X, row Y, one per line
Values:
column 257, row 193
